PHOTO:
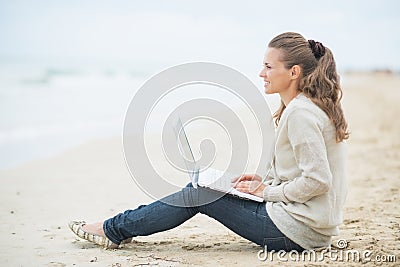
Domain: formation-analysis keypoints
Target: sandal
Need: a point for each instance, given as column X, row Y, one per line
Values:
column 76, row 227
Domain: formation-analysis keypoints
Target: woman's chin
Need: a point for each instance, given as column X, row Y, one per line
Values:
column 268, row 91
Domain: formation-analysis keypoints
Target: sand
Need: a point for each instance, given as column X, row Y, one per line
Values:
column 91, row 182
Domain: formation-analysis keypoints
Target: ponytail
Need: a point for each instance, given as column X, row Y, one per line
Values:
column 322, row 86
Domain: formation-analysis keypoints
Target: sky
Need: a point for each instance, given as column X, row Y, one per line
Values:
column 153, row 35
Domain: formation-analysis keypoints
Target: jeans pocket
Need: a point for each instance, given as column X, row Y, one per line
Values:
column 277, row 243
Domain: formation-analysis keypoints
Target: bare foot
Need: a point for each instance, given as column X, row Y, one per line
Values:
column 94, row 228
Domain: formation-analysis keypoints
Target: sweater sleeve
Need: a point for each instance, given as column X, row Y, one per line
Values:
column 310, row 153
column 269, row 178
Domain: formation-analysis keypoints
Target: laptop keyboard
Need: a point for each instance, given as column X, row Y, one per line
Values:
column 216, row 179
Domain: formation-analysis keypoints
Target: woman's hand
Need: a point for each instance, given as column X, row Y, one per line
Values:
column 249, row 183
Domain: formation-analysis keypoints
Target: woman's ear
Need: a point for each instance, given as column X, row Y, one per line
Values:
column 295, row 72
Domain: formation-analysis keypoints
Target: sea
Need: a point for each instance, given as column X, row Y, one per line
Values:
column 45, row 110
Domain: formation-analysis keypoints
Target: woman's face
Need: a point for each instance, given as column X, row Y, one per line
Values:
column 276, row 76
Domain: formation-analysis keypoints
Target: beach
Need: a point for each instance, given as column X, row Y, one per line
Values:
column 91, row 182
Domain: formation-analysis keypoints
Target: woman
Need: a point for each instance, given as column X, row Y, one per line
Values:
column 304, row 193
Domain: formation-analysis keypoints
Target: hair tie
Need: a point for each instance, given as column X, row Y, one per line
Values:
column 317, row 48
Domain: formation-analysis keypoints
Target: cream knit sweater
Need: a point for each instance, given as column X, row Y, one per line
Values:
column 307, row 185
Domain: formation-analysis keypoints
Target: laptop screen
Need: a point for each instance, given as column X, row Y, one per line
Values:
column 184, row 148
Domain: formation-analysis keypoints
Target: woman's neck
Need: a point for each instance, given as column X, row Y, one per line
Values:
column 288, row 96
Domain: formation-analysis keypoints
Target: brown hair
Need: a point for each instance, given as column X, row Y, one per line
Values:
column 320, row 81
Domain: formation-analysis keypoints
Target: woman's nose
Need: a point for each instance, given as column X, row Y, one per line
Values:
column 262, row 73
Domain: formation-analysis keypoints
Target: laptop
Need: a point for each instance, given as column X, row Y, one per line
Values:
column 209, row 178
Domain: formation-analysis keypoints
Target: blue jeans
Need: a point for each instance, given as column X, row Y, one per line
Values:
column 247, row 218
